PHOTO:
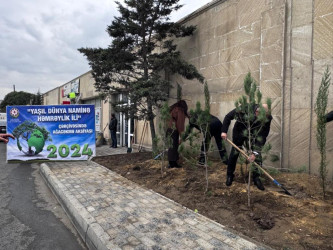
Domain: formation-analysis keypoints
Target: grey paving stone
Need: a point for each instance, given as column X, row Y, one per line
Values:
column 131, row 217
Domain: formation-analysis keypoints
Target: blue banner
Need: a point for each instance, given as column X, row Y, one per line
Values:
column 55, row 132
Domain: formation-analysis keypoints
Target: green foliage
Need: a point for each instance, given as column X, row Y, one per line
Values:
column 163, row 142
column 320, row 109
column 207, row 97
column 20, row 98
column 142, row 49
column 274, row 158
column 209, row 193
column 273, row 171
column 179, row 92
column 253, row 121
column 28, row 127
column 302, row 169
column 33, row 134
column 37, row 99
column 245, row 106
column 199, row 119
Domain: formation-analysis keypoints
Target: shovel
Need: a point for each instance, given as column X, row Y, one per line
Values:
column 263, row 170
column 159, row 155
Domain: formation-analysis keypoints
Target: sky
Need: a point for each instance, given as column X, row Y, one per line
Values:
column 39, row 39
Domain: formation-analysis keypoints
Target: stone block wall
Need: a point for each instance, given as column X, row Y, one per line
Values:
column 51, row 97
column 286, row 44
column 232, row 38
column 322, row 57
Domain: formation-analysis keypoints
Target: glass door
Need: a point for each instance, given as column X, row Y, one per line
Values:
column 124, row 128
column 119, row 126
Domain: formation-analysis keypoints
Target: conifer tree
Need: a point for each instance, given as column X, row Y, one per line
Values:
column 37, row 99
column 245, row 106
column 320, row 109
column 198, row 140
column 163, row 141
column 141, row 52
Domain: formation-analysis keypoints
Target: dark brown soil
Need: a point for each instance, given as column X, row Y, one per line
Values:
column 301, row 221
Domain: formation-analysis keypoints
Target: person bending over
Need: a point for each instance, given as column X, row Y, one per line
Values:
column 176, row 125
column 239, row 137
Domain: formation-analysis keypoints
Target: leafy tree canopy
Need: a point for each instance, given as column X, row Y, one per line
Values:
column 20, row 98
column 141, row 51
column 28, row 127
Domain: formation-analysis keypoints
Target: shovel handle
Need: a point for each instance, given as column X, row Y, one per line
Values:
column 243, row 153
column 263, row 170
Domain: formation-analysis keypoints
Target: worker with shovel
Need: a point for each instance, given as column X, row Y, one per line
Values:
column 239, row 137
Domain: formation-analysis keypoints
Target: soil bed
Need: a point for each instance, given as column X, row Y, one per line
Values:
column 301, row 221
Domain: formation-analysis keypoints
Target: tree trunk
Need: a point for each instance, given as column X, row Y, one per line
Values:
column 151, row 124
column 153, row 134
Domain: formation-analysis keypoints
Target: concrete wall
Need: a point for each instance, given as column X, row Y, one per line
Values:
column 87, row 88
column 309, row 48
column 286, row 44
column 322, row 56
column 51, row 97
column 232, row 38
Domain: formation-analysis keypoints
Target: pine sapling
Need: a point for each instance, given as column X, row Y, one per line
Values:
column 199, row 141
column 254, row 123
column 163, row 141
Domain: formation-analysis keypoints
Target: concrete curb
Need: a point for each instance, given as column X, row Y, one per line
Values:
column 90, row 231
column 97, row 233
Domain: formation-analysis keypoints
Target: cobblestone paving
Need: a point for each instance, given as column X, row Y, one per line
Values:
column 136, row 218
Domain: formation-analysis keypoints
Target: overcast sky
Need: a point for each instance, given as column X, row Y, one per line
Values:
column 39, row 39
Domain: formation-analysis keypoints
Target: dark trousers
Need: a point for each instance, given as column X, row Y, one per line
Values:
column 234, row 156
column 173, row 150
column 113, row 138
column 329, row 116
column 219, row 144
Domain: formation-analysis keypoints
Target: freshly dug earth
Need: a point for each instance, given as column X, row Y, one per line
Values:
column 301, row 221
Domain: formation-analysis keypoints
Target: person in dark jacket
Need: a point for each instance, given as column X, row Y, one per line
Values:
column 113, row 130
column 214, row 130
column 238, row 138
column 176, row 125
column 329, row 116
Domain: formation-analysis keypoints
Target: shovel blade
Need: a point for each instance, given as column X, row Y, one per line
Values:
column 286, row 191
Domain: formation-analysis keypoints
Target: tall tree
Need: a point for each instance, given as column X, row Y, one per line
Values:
column 37, row 99
column 141, row 57
column 17, row 98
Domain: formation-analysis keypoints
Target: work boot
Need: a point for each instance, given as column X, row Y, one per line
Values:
column 173, row 164
column 230, row 178
column 201, row 161
column 257, row 182
column 177, row 166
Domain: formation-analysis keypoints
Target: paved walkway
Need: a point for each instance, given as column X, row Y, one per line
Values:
column 111, row 212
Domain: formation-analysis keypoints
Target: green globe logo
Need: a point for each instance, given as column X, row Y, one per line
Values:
column 31, row 138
